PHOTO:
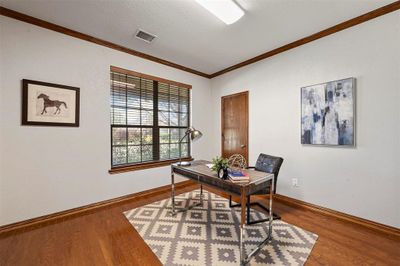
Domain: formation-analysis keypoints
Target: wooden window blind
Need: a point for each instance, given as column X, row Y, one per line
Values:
column 149, row 116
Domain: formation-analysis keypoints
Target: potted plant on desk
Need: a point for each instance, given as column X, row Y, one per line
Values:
column 220, row 165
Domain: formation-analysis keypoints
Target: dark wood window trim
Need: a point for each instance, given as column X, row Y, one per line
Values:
column 156, row 162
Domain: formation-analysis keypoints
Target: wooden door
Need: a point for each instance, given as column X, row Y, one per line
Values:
column 235, row 124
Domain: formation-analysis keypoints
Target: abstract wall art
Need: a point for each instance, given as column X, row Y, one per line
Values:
column 328, row 113
column 47, row 104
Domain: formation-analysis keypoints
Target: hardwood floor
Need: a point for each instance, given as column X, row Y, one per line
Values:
column 105, row 237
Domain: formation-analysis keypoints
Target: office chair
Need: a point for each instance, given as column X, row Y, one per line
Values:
column 269, row 164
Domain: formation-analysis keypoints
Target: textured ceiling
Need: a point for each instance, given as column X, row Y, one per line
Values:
column 188, row 34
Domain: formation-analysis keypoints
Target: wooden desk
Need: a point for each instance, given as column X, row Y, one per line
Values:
column 199, row 172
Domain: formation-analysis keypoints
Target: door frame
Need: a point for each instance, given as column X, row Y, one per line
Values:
column 246, row 155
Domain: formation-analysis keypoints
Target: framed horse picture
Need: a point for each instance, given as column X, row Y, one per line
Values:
column 47, row 104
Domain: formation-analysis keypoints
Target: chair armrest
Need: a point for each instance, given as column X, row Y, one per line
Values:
column 250, row 167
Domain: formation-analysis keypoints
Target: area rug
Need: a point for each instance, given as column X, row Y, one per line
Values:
column 209, row 234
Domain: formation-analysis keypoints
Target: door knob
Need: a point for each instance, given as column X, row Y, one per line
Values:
column 242, row 146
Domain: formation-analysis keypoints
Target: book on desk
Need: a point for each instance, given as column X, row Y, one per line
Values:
column 238, row 176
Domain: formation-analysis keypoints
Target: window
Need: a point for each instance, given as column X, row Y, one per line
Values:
column 149, row 116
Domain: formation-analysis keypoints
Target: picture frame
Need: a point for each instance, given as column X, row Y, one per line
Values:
column 49, row 104
column 328, row 113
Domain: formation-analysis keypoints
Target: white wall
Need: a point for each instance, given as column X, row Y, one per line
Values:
column 363, row 181
column 48, row 169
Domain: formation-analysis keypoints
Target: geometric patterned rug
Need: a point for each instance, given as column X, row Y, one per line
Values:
column 209, row 234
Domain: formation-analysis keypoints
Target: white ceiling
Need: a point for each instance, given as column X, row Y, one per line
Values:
column 188, row 34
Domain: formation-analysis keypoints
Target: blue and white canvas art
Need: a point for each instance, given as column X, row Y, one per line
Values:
column 327, row 113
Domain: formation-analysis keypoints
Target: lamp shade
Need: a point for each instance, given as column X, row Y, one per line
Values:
column 195, row 134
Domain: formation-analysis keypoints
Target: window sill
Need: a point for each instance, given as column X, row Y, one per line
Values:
column 142, row 166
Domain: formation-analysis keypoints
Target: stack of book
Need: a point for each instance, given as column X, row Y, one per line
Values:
column 238, row 176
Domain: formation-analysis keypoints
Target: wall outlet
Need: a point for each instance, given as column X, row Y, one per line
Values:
column 295, row 182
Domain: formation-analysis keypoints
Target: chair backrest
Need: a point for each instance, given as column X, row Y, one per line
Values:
column 269, row 164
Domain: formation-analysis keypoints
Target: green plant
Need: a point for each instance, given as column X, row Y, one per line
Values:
column 218, row 163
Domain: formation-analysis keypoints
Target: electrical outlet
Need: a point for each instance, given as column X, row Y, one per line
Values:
column 295, row 182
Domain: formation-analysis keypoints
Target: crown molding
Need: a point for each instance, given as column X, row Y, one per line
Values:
column 338, row 27
column 54, row 27
column 326, row 32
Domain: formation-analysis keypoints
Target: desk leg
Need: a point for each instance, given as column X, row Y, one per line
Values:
column 245, row 259
column 175, row 210
column 173, row 191
column 201, row 194
column 242, row 225
column 271, row 215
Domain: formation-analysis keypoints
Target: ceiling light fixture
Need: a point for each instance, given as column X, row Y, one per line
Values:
column 226, row 10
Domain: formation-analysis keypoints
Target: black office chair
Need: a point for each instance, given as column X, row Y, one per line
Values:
column 269, row 164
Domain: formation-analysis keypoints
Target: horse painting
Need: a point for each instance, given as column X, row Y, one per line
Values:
column 51, row 103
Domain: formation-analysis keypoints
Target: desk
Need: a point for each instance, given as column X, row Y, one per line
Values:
column 199, row 172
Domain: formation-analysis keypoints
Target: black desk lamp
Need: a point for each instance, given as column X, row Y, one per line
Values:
column 194, row 135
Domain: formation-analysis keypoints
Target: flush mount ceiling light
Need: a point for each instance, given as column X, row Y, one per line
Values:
column 226, row 10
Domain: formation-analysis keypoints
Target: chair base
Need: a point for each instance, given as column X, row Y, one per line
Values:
column 274, row 215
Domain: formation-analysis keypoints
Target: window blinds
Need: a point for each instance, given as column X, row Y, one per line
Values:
column 148, row 118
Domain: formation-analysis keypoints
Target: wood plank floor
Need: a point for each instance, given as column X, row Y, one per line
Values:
column 105, row 237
